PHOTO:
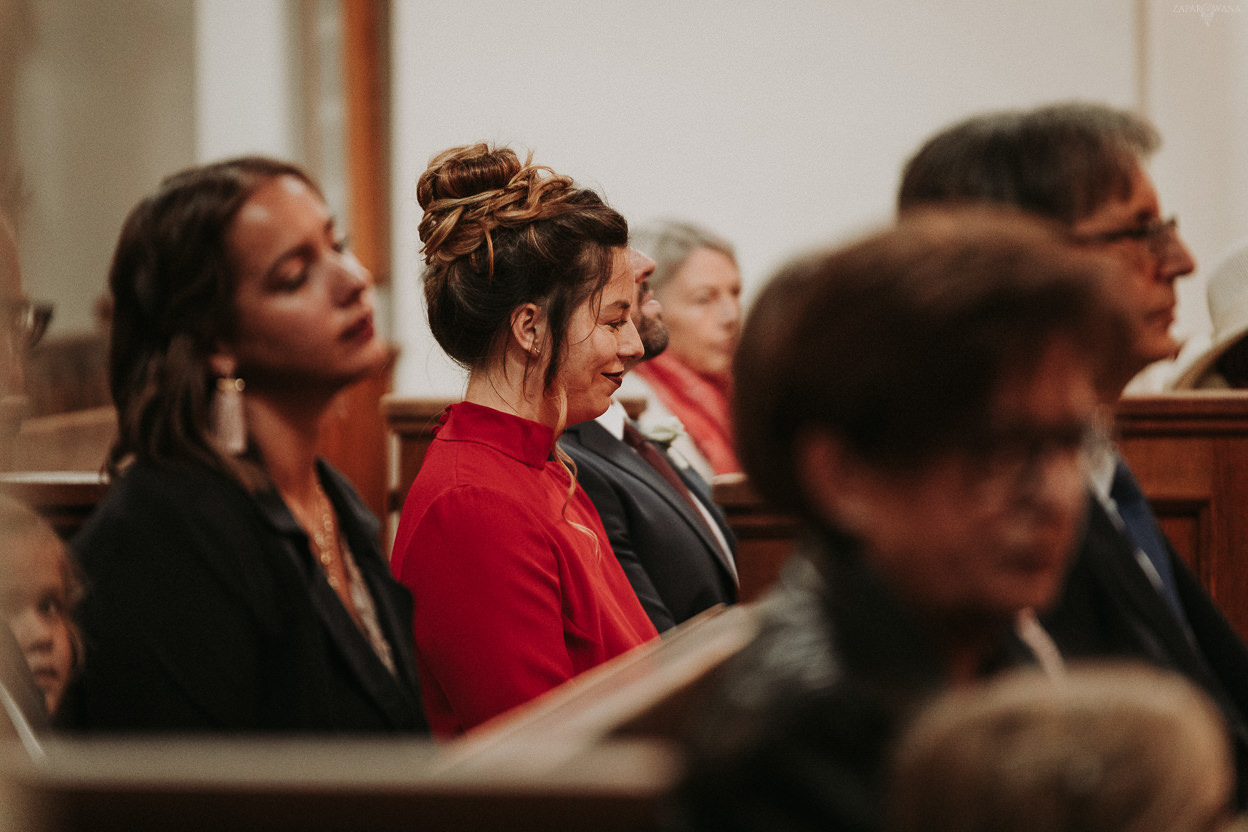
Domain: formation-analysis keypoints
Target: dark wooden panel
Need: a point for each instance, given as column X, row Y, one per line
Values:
column 1190, row 454
column 281, row 785
column 765, row 537
column 64, row 498
column 411, row 422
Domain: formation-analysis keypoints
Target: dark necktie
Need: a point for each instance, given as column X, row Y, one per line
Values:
column 1142, row 529
column 635, row 440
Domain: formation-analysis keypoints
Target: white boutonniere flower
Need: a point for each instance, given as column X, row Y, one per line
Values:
column 663, row 433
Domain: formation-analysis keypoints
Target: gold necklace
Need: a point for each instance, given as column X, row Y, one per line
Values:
column 324, row 538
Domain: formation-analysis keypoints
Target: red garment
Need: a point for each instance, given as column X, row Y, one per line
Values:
column 702, row 404
column 511, row 598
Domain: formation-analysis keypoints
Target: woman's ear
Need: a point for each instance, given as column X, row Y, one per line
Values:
column 838, row 485
column 528, row 328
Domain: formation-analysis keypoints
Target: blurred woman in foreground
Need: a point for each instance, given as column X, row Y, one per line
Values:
column 921, row 399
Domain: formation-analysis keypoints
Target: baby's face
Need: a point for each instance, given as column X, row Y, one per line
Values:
column 34, row 604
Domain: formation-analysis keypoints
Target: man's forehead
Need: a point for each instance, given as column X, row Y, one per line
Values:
column 1138, row 207
column 641, row 265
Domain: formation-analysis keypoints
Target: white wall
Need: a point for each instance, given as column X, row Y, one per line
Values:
column 1198, row 96
column 109, row 96
column 780, row 124
column 102, row 108
column 246, row 92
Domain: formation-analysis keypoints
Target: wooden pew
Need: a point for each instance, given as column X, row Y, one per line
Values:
column 649, row 693
column 310, row 785
column 63, row 498
column 54, row 464
column 596, row 753
column 73, row 441
column 410, row 422
column 765, row 537
column 1190, row 453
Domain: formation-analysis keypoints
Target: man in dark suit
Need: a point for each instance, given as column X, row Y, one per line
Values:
column 1082, row 165
column 672, row 541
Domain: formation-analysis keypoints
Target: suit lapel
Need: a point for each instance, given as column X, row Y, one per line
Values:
column 594, row 437
column 1122, row 574
column 703, row 489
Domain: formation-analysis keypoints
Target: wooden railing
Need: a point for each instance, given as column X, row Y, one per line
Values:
column 64, row 498
column 649, row 693
column 599, row 753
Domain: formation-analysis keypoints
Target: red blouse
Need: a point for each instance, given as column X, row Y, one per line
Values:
column 512, row 598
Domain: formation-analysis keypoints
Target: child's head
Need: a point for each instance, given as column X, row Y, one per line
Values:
column 39, row 588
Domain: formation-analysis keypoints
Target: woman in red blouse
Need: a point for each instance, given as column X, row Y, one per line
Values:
column 528, row 285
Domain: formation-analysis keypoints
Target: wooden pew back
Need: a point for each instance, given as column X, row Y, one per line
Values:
column 648, row 693
column 309, row 785
column 64, row 498
column 596, row 753
column 1189, row 452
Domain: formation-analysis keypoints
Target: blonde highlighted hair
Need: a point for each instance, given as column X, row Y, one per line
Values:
column 1112, row 748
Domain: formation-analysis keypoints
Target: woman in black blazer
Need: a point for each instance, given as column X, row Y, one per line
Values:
column 235, row 580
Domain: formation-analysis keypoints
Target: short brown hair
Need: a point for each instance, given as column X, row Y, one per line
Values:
column 1061, row 161
column 898, row 343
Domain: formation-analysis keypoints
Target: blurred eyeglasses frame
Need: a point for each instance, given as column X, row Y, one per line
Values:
column 27, row 321
column 1157, row 234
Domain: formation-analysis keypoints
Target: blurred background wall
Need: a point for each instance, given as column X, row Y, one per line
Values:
column 780, row 124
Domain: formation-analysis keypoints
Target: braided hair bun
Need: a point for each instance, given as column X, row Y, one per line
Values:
column 499, row 233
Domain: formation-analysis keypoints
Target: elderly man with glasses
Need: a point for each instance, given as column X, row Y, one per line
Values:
column 1083, row 165
column 22, row 324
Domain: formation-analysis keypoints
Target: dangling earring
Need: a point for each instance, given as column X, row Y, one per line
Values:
column 229, row 425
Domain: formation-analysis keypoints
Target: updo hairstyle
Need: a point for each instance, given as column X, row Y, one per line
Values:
column 498, row 234
column 173, row 284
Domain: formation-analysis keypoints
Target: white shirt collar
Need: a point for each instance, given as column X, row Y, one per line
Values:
column 613, row 419
column 1102, row 460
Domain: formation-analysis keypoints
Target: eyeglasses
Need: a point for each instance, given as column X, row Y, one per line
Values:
column 25, row 322
column 1016, row 459
column 1158, row 234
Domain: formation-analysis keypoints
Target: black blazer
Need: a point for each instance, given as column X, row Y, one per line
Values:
column 797, row 728
column 1109, row 608
column 206, row 611
column 671, row 558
